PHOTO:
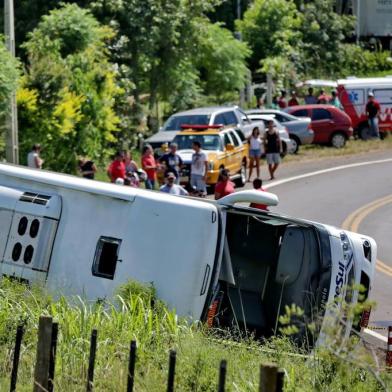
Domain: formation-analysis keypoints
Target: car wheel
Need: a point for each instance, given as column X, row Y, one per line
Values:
column 338, row 140
column 296, row 143
column 242, row 179
column 364, row 132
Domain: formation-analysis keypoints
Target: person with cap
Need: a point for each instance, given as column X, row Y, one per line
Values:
column 282, row 102
column 33, row 158
column 224, row 186
column 293, row 100
column 173, row 162
column 171, row 187
column 372, row 111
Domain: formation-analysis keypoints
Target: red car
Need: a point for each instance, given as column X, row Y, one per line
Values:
column 330, row 124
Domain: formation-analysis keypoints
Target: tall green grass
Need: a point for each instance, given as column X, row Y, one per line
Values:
column 135, row 313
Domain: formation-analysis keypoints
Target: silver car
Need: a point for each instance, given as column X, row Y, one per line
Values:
column 299, row 129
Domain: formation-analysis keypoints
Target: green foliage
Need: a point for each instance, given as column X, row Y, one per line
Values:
column 221, row 60
column 9, row 75
column 270, row 27
column 132, row 315
column 66, row 101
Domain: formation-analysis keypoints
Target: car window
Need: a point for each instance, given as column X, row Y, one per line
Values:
column 280, row 118
column 300, row 113
column 220, row 119
column 383, row 96
column 320, row 114
column 174, row 122
column 244, row 117
column 230, row 118
column 208, row 142
column 235, row 138
column 241, row 135
column 227, row 139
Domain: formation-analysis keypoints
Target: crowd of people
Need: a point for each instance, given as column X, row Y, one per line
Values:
column 282, row 101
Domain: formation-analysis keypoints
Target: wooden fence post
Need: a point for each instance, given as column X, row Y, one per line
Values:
column 43, row 354
column 222, row 376
column 268, row 378
column 52, row 362
column 15, row 362
column 280, row 380
column 91, row 363
column 131, row 366
column 172, row 371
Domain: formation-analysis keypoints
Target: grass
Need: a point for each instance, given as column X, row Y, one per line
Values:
column 353, row 147
column 131, row 315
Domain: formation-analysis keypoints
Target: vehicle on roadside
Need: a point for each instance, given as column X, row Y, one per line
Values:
column 299, row 129
column 330, row 124
column 288, row 145
column 353, row 93
column 224, row 148
column 214, row 115
column 221, row 262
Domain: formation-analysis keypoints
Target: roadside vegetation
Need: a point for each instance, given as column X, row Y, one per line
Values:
column 133, row 315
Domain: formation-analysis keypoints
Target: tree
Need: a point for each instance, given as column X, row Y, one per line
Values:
column 9, row 75
column 270, row 27
column 67, row 95
column 324, row 33
column 221, row 61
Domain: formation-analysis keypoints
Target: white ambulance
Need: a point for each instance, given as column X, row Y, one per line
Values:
column 219, row 262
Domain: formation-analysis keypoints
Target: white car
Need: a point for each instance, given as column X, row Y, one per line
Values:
column 220, row 262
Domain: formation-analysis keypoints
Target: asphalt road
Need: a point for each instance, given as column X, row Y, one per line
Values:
column 331, row 197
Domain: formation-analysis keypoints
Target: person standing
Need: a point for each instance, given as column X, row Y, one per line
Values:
column 258, row 186
column 116, row 169
column 33, row 158
column 130, row 164
column 149, row 165
column 173, row 162
column 322, row 98
column 272, row 148
column 87, row 168
column 224, row 186
column 171, row 187
column 335, row 101
column 372, row 111
column 293, row 100
column 199, row 168
column 255, row 144
column 310, row 99
column 282, row 102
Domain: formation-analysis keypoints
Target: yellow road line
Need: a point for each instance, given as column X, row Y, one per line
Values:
column 353, row 221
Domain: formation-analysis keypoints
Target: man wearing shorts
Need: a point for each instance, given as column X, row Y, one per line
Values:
column 273, row 147
column 199, row 169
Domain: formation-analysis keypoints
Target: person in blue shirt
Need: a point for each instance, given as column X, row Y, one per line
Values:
column 171, row 187
column 173, row 162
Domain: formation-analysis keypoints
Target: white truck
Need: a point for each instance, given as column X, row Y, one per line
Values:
column 220, row 262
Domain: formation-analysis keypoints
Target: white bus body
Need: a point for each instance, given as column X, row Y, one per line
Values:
column 87, row 237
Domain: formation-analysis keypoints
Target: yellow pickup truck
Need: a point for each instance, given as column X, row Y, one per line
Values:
column 224, row 146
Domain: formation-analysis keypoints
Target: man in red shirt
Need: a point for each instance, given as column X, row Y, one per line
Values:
column 257, row 185
column 224, row 186
column 293, row 100
column 372, row 111
column 117, row 168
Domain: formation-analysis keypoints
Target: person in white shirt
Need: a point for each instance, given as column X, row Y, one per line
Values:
column 199, row 169
column 171, row 187
column 255, row 145
column 33, row 158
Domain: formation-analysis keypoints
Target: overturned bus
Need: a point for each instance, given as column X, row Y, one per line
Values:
column 219, row 262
